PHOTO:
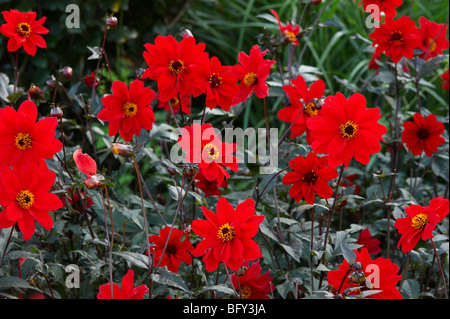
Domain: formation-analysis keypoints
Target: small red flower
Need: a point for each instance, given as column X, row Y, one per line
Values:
column 445, row 80
column 252, row 72
column 252, row 284
column 420, row 222
column 218, row 82
column 24, row 192
column 23, row 30
column 396, row 38
column 371, row 244
column 346, row 129
column 78, row 202
column 128, row 110
column 171, row 64
column 204, row 147
column 379, row 274
column 90, row 80
column 298, row 113
column 22, row 139
column 177, row 251
column 228, row 235
column 423, row 134
column 175, row 103
column 309, row 177
column 207, row 187
column 386, row 6
column 430, row 30
column 289, row 31
column 126, row 291
column 373, row 63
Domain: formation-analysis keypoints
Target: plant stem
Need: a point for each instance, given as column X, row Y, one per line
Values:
column 143, row 212
column 110, row 242
column 440, row 268
column 16, row 73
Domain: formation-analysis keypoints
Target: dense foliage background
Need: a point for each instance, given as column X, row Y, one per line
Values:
column 338, row 52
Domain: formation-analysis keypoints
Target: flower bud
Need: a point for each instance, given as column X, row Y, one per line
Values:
column 139, row 73
column 93, row 181
column 36, row 93
column 51, row 83
column 111, row 22
column 66, row 72
column 56, row 112
column 122, row 149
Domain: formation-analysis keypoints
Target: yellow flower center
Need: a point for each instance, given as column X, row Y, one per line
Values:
column 226, row 232
column 250, row 79
column 419, row 221
column 25, row 199
column 310, row 109
column 349, row 129
column 433, row 44
column 130, row 109
column 23, row 141
column 290, row 36
column 215, row 80
column 176, row 67
column 23, row 29
column 212, row 151
column 246, row 291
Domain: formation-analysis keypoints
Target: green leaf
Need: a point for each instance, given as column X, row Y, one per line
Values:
column 138, row 260
column 349, row 254
column 15, row 282
column 294, row 249
column 168, row 278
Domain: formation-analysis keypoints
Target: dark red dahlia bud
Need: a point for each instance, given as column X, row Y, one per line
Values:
column 122, row 149
column 171, row 171
column 56, row 112
column 189, row 171
column 161, row 199
column 66, row 72
column 93, row 181
column 316, row 2
column 111, row 22
column 51, row 82
column 36, row 93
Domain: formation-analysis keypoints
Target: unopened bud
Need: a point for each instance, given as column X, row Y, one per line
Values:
column 111, row 22
column 93, row 181
column 66, row 72
column 122, row 149
column 139, row 73
column 36, row 93
column 51, row 83
column 56, row 112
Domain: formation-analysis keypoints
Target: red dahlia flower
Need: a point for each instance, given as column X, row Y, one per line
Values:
column 218, row 82
column 371, row 244
column 253, row 285
column 309, row 177
column 289, row 31
column 78, row 202
column 430, row 46
column 373, row 63
column 396, row 38
column 346, row 129
column 420, row 222
column 252, row 72
column 128, row 110
column 24, row 192
column 23, row 29
column 126, row 291
column 171, row 64
column 207, row 187
column 175, row 103
column 379, row 274
column 90, row 80
column 176, row 250
column 423, row 134
column 298, row 112
column 203, row 146
column 386, row 6
column 228, row 235
column 22, row 139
